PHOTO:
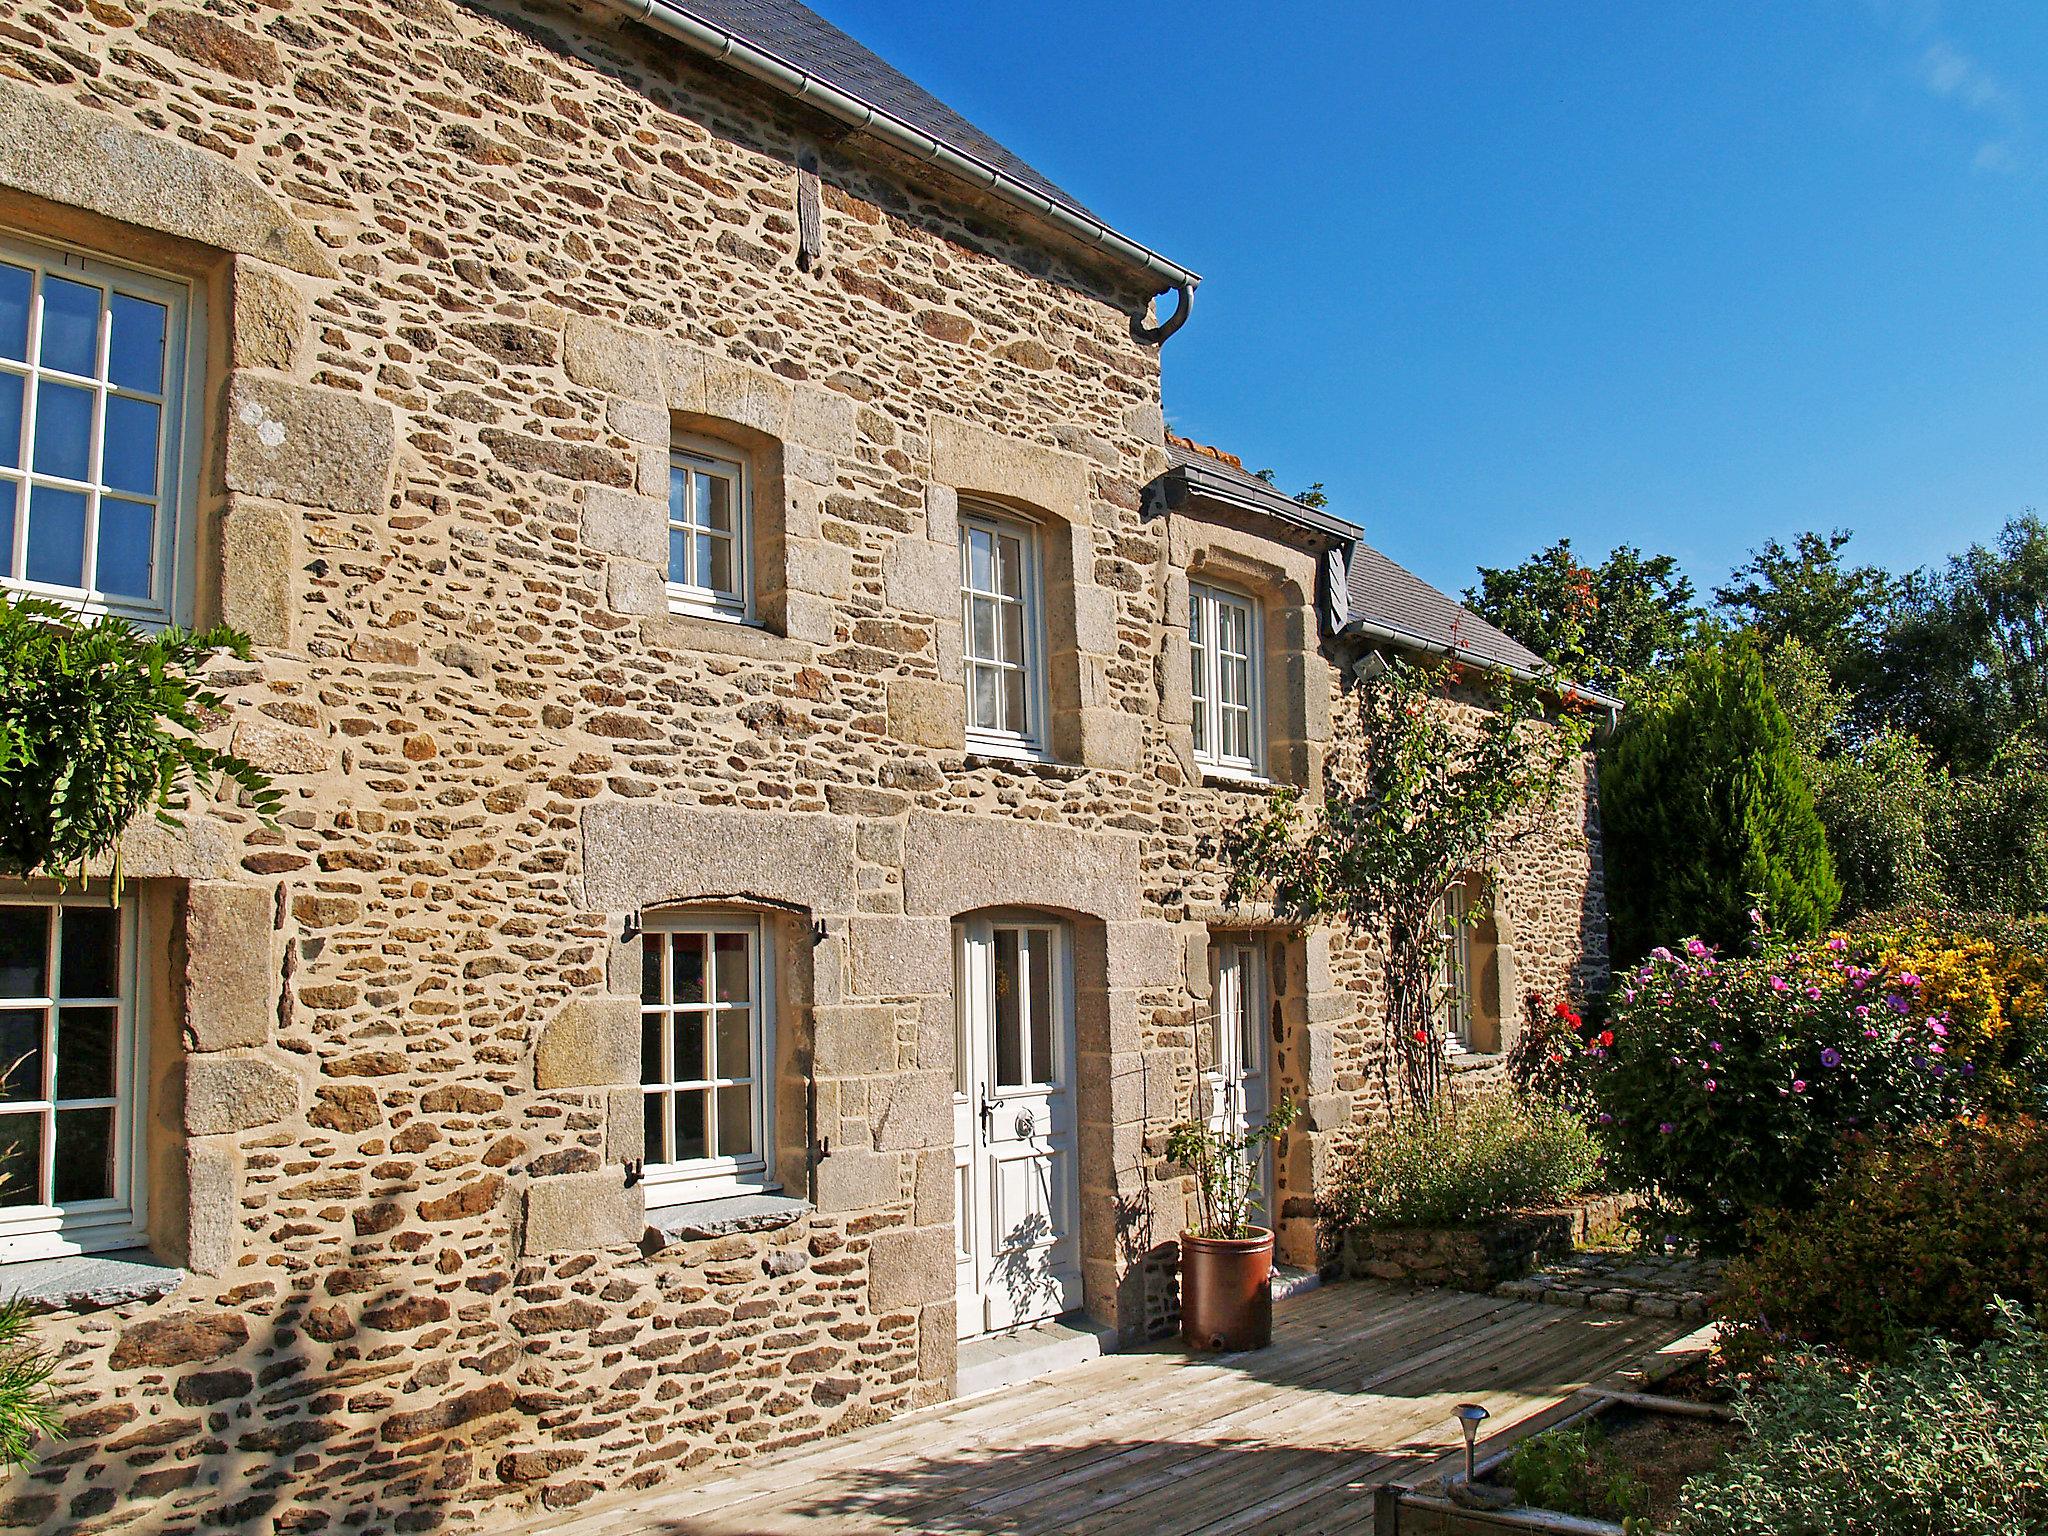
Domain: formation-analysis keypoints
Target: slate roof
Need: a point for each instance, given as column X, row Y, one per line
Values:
column 803, row 39
column 1213, row 469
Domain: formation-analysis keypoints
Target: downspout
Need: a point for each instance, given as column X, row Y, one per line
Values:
column 672, row 21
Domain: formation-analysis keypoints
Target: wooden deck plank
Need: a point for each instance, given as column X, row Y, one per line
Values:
column 1356, row 1389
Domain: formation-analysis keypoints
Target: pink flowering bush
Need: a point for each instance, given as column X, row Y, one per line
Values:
column 1727, row 1083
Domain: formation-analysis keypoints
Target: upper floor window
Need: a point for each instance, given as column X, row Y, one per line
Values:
column 1004, row 628
column 706, row 1048
column 92, row 413
column 709, row 533
column 1223, row 646
column 67, row 1078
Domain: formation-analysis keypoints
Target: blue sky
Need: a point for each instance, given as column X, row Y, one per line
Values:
column 1683, row 276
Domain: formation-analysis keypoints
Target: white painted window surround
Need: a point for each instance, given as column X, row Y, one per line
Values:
column 1002, row 608
column 71, row 1060
column 96, row 428
column 1227, row 690
column 710, row 532
column 707, row 1053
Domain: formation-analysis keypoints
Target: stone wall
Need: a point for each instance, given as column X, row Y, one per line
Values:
column 463, row 271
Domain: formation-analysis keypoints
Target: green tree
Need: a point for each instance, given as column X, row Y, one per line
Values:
column 1992, row 834
column 1612, row 626
column 1420, row 796
column 99, row 722
column 1811, row 594
column 1707, row 810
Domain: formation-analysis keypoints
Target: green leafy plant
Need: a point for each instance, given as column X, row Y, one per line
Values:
column 1705, row 805
column 1947, row 1441
column 1565, row 1470
column 1466, row 1158
column 1227, row 1165
column 98, row 722
column 1417, row 797
column 1918, row 1233
column 26, row 1412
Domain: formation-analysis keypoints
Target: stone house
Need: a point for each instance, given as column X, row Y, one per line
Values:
column 753, row 683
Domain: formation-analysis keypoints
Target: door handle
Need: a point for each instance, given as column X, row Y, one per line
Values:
column 988, row 1117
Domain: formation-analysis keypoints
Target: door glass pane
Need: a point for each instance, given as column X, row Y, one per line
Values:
column 16, row 284
column 71, row 326
column 736, row 1122
column 24, row 951
column 1038, row 968
column 689, row 972
column 735, row 975
column 691, row 1139
column 21, row 1054
column 735, row 1043
column 56, row 536
column 135, row 344
column 63, row 430
column 85, row 1155
column 1248, row 1013
column 91, row 945
column 85, row 1053
column 1009, row 1021
column 690, row 1064
column 21, row 1159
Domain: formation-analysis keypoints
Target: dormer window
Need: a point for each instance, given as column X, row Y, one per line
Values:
column 709, row 531
column 1223, row 647
column 1005, row 649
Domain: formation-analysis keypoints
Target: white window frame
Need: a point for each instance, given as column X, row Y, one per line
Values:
column 43, row 1231
column 1029, row 743
column 680, row 1183
column 1454, row 997
column 178, row 456
column 1205, row 687
column 702, row 457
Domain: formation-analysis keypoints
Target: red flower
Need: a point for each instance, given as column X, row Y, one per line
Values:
column 1421, row 1035
column 1563, row 1009
column 1607, row 1037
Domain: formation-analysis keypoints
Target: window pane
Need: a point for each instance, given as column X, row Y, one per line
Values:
column 71, row 326
column 85, row 1053
column 981, row 560
column 689, row 975
column 679, row 557
column 85, row 1155
column 128, row 453
column 983, row 711
column 735, row 975
column 1016, row 716
column 135, row 344
column 714, row 560
column 714, row 502
column 21, row 1159
column 691, row 1141
column 651, row 949
column 1009, row 1015
column 127, row 548
column 1201, row 728
column 736, row 1122
column 9, row 498
column 690, row 1065
column 16, row 285
column 651, row 1027
column 735, row 1047
column 11, row 385
column 981, row 618
column 56, row 537
column 63, row 430
column 21, row 1054
column 654, row 1139
column 1039, row 968
column 1010, row 566
column 678, row 494
column 24, row 951
column 1013, row 634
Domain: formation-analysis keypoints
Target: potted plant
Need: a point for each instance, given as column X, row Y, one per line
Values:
column 1226, row 1260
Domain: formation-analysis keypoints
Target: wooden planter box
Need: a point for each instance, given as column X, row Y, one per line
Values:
column 1479, row 1258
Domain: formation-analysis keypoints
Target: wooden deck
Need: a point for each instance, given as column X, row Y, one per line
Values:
column 1357, row 1389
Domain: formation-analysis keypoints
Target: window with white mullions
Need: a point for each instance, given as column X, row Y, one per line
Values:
column 67, row 1069
column 1223, row 646
column 706, row 1022
column 1454, row 967
column 92, row 361
column 999, row 592
column 708, row 531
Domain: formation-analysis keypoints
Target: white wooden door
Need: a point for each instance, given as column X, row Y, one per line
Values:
column 1014, row 1142
column 1240, row 1084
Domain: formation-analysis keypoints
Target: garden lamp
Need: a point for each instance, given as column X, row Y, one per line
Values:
column 1470, row 1417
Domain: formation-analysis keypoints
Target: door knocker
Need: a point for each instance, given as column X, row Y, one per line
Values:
column 1027, row 1122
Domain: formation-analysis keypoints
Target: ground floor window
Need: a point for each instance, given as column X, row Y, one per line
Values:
column 68, row 1068
column 706, row 1044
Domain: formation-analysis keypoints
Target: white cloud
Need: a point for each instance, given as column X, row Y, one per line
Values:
column 1953, row 74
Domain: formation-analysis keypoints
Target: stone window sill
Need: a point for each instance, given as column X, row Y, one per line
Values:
column 726, row 636
column 726, row 1216
column 88, row 1282
column 1474, row 1061
column 1037, row 767
column 1238, row 779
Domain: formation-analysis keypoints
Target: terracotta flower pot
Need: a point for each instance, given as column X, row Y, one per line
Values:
column 1226, row 1291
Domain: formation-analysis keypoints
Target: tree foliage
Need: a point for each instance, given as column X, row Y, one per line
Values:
column 99, row 722
column 1811, row 594
column 1419, row 798
column 1610, row 626
column 1707, row 809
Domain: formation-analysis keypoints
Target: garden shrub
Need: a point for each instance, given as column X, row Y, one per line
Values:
column 1566, row 1470
column 1918, row 1232
column 1947, row 1443
column 1704, row 804
column 1726, row 1082
column 1464, row 1160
